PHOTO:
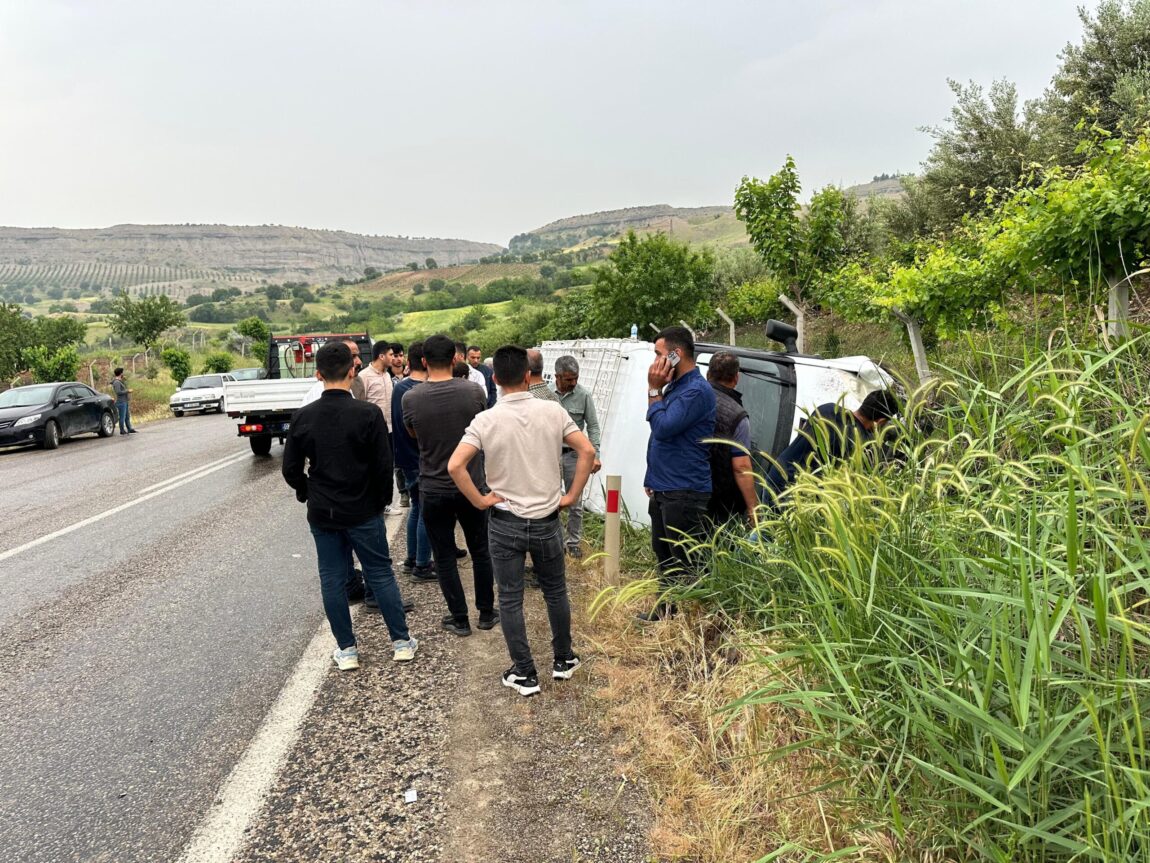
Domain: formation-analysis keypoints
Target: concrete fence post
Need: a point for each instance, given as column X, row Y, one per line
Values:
column 611, row 525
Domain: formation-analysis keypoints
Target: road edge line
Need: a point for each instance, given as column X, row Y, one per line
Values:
column 240, row 799
column 100, row 516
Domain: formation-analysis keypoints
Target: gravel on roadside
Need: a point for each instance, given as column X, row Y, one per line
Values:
column 497, row 777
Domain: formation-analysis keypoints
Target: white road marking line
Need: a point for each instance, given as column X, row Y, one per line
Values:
column 64, row 531
column 230, row 457
column 220, row 835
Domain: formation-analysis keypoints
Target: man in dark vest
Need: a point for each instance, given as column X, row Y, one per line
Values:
column 732, row 474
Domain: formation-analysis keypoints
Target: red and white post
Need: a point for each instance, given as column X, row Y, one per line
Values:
column 611, row 544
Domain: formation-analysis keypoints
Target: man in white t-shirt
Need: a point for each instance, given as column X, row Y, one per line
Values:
column 522, row 439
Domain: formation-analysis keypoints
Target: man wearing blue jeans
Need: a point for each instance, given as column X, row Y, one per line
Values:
column 418, row 561
column 345, row 444
column 523, row 439
column 123, row 406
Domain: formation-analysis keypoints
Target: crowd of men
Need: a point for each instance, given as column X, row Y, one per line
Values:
column 494, row 451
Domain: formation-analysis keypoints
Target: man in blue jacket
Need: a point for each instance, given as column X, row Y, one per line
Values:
column 681, row 413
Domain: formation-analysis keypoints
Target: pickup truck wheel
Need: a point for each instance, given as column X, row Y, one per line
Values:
column 107, row 424
column 261, row 445
column 51, row 435
column 178, row 413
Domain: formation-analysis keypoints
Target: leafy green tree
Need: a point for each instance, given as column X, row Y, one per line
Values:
column 259, row 332
column 431, row 264
column 413, row 266
column 275, row 292
column 474, row 318
column 179, row 362
column 800, row 249
column 16, row 334
column 296, row 304
column 144, row 320
column 1103, row 80
column 49, row 365
column 418, row 288
column 988, row 148
column 652, row 279
column 797, row 247
column 370, row 273
column 61, row 331
column 217, row 361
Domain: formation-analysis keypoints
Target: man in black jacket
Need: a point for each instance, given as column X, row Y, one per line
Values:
column 347, row 483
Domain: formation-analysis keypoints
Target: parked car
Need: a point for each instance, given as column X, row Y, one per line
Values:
column 256, row 373
column 200, row 393
column 45, row 414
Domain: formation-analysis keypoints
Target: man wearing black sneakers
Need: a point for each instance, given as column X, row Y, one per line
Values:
column 522, row 438
column 436, row 413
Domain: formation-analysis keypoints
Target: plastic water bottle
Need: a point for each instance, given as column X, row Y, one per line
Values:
column 634, row 331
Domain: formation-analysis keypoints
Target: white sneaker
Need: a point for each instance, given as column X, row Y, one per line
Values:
column 346, row 660
column 389, row 510
column 405, row 650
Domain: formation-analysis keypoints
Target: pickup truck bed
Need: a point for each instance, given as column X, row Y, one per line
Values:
column 267, row 407
column 263, row 396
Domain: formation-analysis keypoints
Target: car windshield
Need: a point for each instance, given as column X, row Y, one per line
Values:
column 26, row 397
column 246, row 374
column 202, row 382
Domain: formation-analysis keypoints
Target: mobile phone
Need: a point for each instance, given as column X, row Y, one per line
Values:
column 673, row 358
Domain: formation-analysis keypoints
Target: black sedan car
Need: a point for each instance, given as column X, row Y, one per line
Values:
column 45, row 414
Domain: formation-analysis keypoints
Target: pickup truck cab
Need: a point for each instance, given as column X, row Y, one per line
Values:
column 199, row 393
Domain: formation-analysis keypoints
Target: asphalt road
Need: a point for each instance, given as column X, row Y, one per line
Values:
column 140, row 651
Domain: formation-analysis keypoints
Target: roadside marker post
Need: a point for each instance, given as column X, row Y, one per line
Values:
column 611, row 528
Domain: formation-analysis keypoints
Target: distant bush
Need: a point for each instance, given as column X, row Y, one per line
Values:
column 179, row 362
column 218, row 362
column 48, row 365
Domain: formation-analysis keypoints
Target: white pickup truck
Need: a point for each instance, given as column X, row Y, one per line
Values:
column 266, row 407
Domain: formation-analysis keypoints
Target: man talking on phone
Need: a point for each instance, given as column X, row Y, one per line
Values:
column 681, row 413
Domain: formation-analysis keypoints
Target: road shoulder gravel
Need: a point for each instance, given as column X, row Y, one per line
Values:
column 495, row 777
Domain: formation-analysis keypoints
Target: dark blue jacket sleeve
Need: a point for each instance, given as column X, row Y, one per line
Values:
column 670, row 419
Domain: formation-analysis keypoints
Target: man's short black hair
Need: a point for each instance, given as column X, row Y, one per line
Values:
column 396, row 348
column 678, row 338
column 880, row 405
column 471, row 348
column 415, row 356
column 461, row 347
column 117, row 371
column 438, row 352
column 333, row 361
column 379, row 349
column 510, row 364
column 723, row 367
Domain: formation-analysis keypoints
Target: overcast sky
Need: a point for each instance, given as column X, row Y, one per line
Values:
column 475, row 119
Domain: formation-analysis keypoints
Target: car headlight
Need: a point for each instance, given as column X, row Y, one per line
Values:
column 28, row 420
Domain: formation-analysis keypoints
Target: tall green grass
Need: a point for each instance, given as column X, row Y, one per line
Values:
column 965, row 628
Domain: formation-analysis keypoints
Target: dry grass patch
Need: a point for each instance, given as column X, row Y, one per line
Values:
column 723, row 793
